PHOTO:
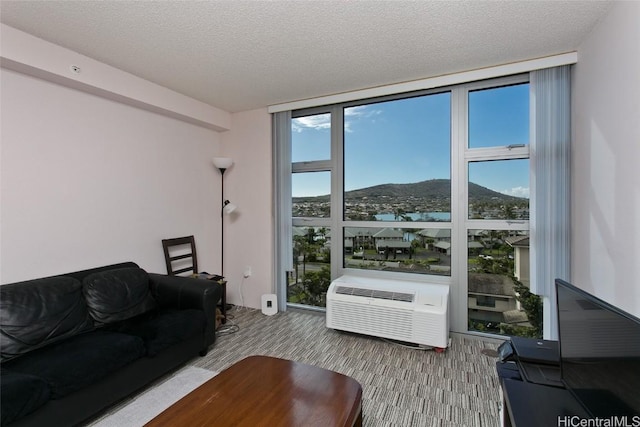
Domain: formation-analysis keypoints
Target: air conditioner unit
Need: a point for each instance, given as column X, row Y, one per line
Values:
column 402, row 310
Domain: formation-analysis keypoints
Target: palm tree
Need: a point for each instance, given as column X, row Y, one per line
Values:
column 303, row 246
column 400, row 214
column 298, row 249
column 311, row 235
column 322, row 232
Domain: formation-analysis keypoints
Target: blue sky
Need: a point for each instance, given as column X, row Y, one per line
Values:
column 408, row 140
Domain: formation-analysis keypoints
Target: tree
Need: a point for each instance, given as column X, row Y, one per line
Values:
column 316, row 284
column 399, row 214
column 494, row 238
column 298, row 250
column 311, row 235
column 532, row 306
column 303, row 247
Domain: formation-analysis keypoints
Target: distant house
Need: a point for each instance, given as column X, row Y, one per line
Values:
column 348, row 241
column 358, row 237
column 520, row 246
column 442, row 246
column 436, row 233
column 388, row 234
column 489, row 297
column 391, row 239
column 348, row 246
column 472, row 244
column 438, row 239
column 399, row 246
column 477, row 235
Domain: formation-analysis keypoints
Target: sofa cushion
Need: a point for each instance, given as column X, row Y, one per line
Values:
column 21, row 395
column 38, row 312
column 74, row 363
column 165, row 328
column 119, row 294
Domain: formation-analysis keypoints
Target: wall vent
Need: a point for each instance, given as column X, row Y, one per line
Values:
column 375, row 293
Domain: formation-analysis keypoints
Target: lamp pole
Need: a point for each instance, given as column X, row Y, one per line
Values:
column 222, row 223
column 222, row 163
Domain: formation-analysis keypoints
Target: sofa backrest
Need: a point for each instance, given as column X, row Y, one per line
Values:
column 80, row 275
column 38, row 312
column 116, row 295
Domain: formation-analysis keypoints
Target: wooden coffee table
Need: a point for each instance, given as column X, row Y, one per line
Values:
column 266, row 391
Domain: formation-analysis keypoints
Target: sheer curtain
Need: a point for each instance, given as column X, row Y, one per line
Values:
column 282, row 208
column 550, row 186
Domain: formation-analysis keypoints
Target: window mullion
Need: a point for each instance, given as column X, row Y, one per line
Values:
column 337, row 186
column 458, row 290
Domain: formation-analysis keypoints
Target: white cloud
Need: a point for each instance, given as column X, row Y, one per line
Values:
column 517, row 192
column 362, row 110
column 318, row 122
column 323, row 121
column 359, row 112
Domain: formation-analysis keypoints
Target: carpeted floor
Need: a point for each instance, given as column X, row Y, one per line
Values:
column 401, row 386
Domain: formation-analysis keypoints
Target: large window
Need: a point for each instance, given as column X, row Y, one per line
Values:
column 397, row 160
column 496, row 162
column 397, row 181
column 431, row 186
column 311, row 209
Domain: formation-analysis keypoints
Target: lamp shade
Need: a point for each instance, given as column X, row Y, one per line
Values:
column 222, row 162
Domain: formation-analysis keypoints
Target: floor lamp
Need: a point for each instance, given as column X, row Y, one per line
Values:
column 223, row 163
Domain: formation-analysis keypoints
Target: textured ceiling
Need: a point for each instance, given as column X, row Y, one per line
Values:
column 241, row 55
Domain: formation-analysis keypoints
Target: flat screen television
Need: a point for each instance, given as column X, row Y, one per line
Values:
column 599, row 353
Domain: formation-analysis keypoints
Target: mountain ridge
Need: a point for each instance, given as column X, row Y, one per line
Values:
column 431, row 189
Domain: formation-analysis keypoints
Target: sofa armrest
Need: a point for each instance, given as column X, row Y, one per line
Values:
column 185, row 292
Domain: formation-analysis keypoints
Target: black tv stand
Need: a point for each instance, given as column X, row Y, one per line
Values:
column 527, row 404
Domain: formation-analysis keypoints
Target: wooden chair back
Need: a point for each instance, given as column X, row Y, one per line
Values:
column 180, row 255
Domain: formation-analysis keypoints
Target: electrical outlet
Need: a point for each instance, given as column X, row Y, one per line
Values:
column 247, row 271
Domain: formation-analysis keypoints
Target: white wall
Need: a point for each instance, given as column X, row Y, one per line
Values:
column 606, row 160
column 86, row 181
column 249, row 230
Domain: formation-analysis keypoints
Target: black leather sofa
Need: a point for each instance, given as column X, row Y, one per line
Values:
column 75, row 344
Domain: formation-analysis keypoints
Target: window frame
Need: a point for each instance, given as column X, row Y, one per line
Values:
column 341, row 223
column 460, row 224
column 325, row 165
column 459, row 321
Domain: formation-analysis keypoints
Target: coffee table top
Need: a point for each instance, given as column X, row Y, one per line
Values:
column 268, row 391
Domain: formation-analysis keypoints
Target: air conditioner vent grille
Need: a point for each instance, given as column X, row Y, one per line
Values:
column 374, row 293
